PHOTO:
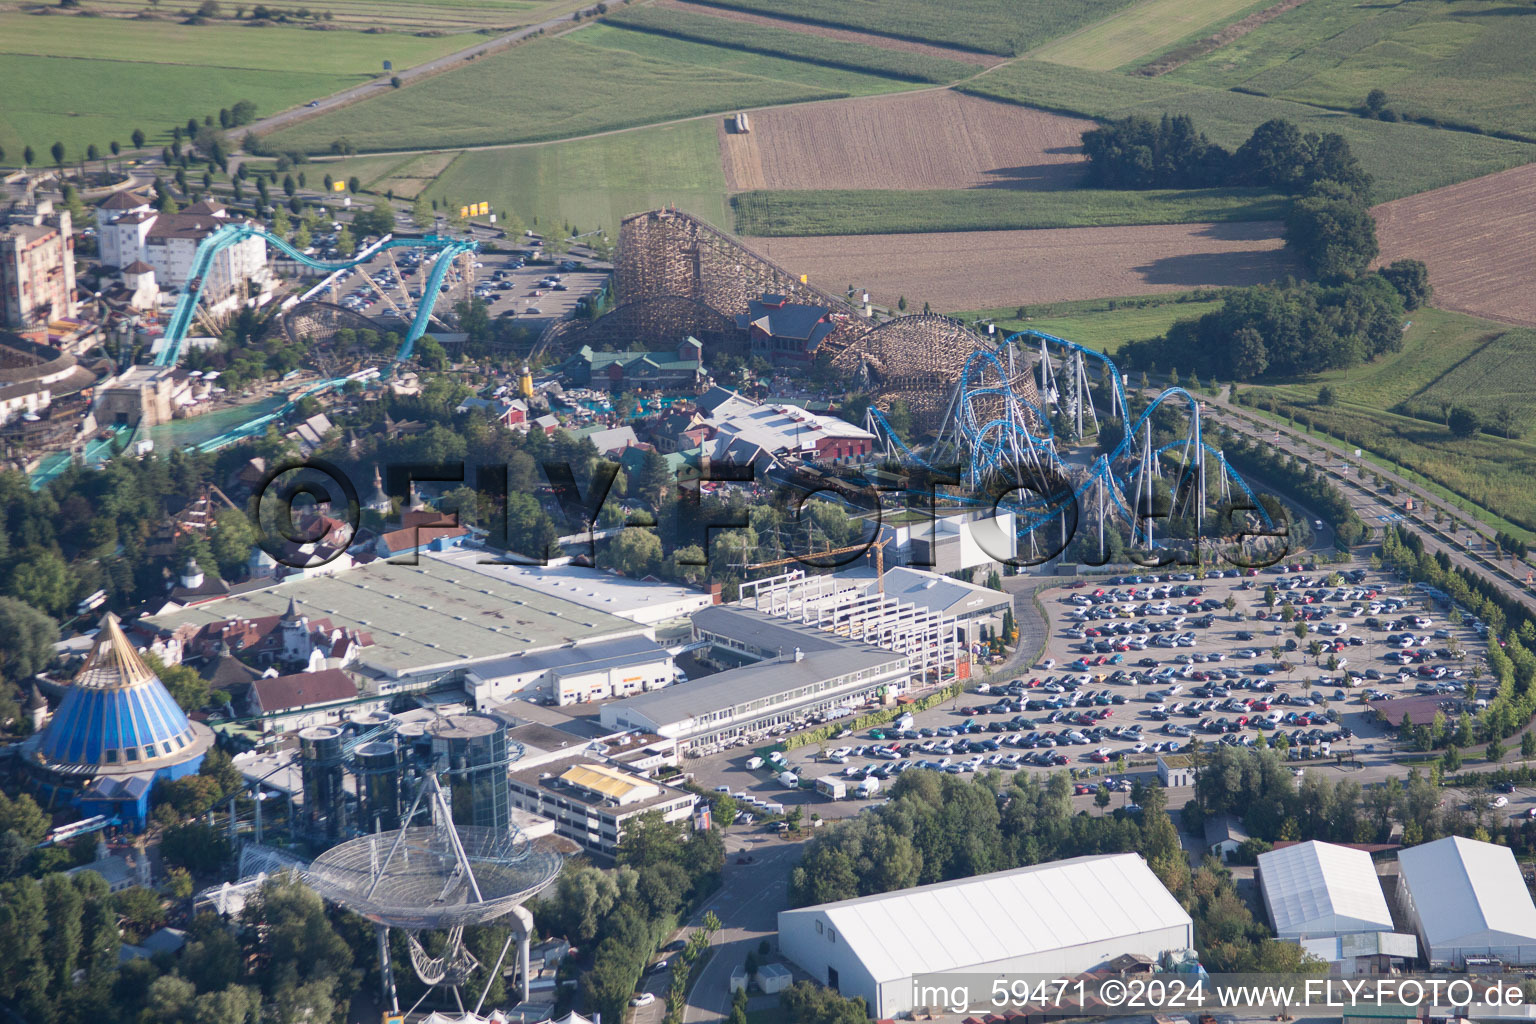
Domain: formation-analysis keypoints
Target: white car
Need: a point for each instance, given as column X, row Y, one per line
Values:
column 643, row 999
column 1048, row 664
column 1501, row 801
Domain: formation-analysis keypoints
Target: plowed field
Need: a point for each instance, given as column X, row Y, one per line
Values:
column 928, row 140
column 1478, row 239
column 988, row 269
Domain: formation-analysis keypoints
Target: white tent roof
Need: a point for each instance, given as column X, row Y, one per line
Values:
column 1003, row 915
column 1465, row 890
column 1319, row 888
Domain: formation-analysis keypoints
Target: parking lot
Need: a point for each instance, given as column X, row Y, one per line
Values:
column 1139, row 666
column 511, row 288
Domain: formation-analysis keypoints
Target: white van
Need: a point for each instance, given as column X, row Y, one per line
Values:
column 754, row 763
column 789, row 780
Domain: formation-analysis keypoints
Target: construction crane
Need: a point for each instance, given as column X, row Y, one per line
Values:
column 878, row 545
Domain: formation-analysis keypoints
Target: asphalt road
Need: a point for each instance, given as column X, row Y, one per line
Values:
column 1468, row 544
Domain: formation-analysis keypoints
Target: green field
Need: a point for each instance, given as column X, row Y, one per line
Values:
column 1445, row 355
column 787, row 212
column 686, row 53
column 546, row 89
column 1403, row 158
column 1467, row 62
column 1494, row 381
column 1137, row 32
column 1004, row 27
column 435, row 16
column 58, row 87
column 749, row 37
column 1101, row 324
column 85, row 102
column 591, row 183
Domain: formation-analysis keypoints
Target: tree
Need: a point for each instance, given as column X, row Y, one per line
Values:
column 1411, row 279
column 1451, row 760
column 1101, row 797
column 378, row 221
column 57, row 149
column 1495, row 752
column 137, row 138
column 28, row 158
column 354, row 184
column 901, row 304
column 1528, row 744
column 1375, row 102
column 635, row 552
column 395, row 81
column 346, row 244
column 1463, row 422
column 23, row 817
column 27, row 636
column 1334, row 232
column 92, row 153
column 197, row 847
column 1325, row 395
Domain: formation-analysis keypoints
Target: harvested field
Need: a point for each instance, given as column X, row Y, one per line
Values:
column 842, row 35
column 981, row 269
column 1477, row 238
column 933, row 139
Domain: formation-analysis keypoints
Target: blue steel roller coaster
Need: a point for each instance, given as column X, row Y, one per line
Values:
column 1002, row 440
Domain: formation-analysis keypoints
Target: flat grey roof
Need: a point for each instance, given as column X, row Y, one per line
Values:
column 763, row 631
column 624, row 650
column 434, row 615
column 764, row 679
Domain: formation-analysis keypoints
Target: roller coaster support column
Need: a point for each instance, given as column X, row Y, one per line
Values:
column 522, row 924
column 386, row 971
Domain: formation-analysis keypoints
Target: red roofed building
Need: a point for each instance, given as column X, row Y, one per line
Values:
column 421, row 530
column 288, row 703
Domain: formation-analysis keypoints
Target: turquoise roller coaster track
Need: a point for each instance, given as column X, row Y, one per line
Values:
column 233, row 234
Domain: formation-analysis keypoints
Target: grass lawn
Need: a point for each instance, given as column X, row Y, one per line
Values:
column 1445, row 355
column 59, row 88
column 546, row 89
column 1467, row 62
column 696, row 54
column 840, row 212
column 446, row 16
column 989, row 26
column 1403, row 158
column 84, row 102
column 1140, row 31
column 592, row 183
column 802, row 47
column 1101, row 324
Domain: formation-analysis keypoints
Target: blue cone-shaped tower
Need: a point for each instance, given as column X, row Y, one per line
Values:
column 117, row 732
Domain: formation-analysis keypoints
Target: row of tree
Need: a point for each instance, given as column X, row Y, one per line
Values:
column 1138, row 153
column 1329, row 224
column 1303, row 483
column 1287, row 329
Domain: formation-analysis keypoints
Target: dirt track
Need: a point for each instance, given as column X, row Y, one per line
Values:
column 1478, row 239
column 967, row 270
column 926, row 140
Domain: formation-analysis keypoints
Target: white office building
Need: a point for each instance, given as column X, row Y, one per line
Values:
column 1056, row 919
column 130, row 230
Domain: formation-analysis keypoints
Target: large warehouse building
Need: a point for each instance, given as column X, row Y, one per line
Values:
column 1320, row 889
column 1054, row 919
column 1467, row 899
